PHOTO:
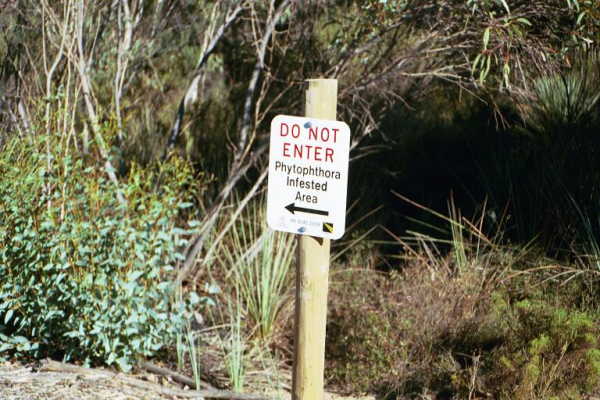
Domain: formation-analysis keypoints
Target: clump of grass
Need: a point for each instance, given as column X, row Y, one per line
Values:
column 258, row 260
column 235, row 350
column 251, row 263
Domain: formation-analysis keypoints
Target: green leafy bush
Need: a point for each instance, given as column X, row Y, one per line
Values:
column 549, row 349
column 84, row 277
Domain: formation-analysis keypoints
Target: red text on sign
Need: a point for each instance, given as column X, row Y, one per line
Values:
column 307, row 152
column 323, row 135
column 285, row 130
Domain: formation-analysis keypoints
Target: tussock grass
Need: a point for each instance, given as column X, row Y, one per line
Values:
column 257, row 262
column 251, row 266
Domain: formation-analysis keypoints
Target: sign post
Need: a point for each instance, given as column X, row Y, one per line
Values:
column 308, row 175
column 312, row 277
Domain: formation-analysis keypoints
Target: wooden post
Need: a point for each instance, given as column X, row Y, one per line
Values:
column 312, row 277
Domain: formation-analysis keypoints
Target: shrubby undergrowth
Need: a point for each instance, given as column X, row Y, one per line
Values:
column 432, row 331
column 479, row 320
column 83, row 276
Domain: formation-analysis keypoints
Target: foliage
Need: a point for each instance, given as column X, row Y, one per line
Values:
column 502, row 39
column 85, row 277
column 551, row 166
column 399, row 333
column 391, row 51
column 482, row 320
column 434, row 329
column 549, row 349
column 531, row 163
column 407, row 323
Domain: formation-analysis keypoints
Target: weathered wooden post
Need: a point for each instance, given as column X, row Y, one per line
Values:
column 312, row 276
column 308, row 177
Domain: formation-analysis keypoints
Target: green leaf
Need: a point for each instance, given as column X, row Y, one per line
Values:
column 123, row 364
column 486, row 37
column 475, row 63
column 134, row 275
column 8, row 316
column 506, row 74
column 503, row 2
column 111, row 358
column 524, row 21
column 484, row 72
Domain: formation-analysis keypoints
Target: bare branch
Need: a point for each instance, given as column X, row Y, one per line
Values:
column 198, row 71
column 79, row 59
column 197, row 242
column 125, row 20
column 239, row 166
column 242, row 146
column 55, row 366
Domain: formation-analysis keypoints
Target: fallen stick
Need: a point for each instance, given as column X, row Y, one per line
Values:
column 155, row 369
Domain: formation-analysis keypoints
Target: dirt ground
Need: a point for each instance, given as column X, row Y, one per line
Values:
column 20, row 382
column 47, row 382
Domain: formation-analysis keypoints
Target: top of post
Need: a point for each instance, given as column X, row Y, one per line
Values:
column 321, row 98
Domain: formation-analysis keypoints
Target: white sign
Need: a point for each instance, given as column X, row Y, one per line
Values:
column 308, row 176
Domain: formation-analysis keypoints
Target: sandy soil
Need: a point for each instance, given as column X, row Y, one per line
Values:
column 22, row 382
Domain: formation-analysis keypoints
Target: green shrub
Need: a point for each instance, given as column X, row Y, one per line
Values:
column 84, row 277
column 550, row 348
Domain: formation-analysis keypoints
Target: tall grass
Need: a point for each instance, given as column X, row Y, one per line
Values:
column 235, row 347
column 590, row 246
column 251, row 263
column 259, row 260
column 193, row 351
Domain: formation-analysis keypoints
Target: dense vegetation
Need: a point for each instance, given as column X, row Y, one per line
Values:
column 132, row 168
